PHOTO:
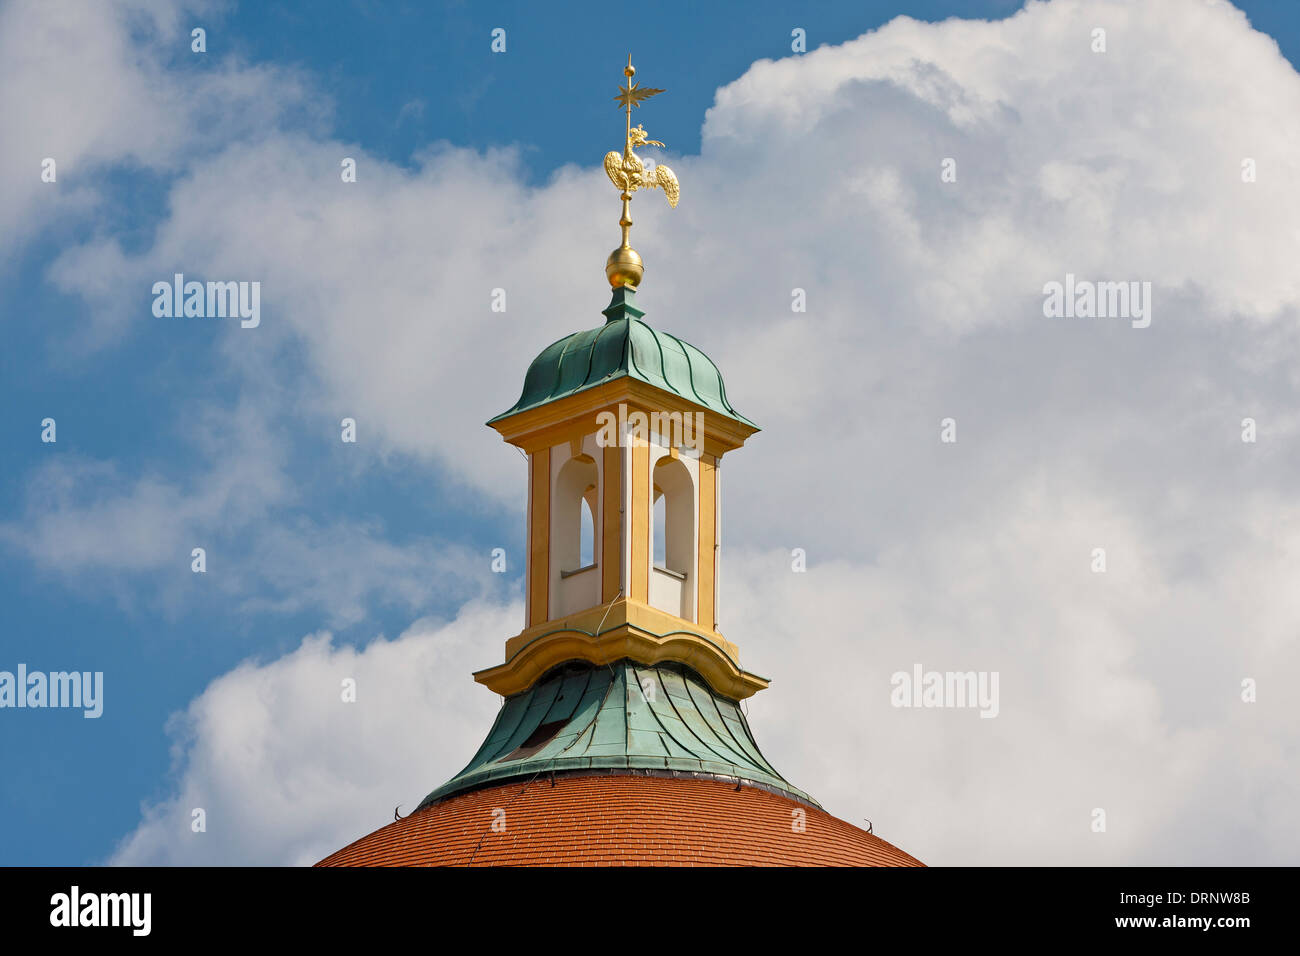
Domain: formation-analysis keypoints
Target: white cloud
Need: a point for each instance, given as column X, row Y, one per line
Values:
column 109, row 532
column 286, row 772
column 92, row 85
column 83, row 514
column 1118, row 690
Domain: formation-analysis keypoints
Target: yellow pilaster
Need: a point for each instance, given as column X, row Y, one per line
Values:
column 539, row 536
column 708, row 554
column 611, row 552
column 640, row 566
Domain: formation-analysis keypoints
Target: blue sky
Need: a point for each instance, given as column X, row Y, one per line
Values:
column 146, row 405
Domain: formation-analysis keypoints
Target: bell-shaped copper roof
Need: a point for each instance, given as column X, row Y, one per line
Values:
column 584, row 716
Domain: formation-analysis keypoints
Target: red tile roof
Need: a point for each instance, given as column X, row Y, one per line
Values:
column 620, row 820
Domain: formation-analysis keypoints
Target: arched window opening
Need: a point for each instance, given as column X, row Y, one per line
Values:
column 587, row 531
column 574, row 526
column 660, row 524
column 674, row 539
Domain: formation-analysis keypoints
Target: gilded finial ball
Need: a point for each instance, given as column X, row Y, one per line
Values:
column 629, row 70
column 623, row 267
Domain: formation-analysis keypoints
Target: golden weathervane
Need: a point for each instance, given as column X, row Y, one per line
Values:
column 627, row 172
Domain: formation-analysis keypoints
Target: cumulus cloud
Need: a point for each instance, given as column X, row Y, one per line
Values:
column 83, row 513
column 822, row 173
column 107, row 531
column 93, row 85
column 1118, row 691
column 286, row 771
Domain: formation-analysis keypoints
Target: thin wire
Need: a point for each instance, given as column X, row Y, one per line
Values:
column 609, row 607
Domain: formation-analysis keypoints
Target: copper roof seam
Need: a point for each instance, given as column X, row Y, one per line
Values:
column 625, row 350
column 628, row 362
column 665, row 732
column 686, row 348
column 591, row 356
column 575, row 347
column 591, row 723
column 752, row 739
column 691, row 730
column 670, row 734
column 505, row 740
column 713, row 750
column 559, row 364
column 627, row 730
column 764, row 766
column 663, row 364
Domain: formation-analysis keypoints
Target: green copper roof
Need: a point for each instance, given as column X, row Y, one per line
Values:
column 624, row 345
column 625, row 716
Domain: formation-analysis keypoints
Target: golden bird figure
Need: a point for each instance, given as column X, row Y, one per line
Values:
column 666, row 180
column 614, row 170
column 627, row 172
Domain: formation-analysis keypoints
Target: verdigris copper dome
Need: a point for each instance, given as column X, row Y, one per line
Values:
column 624, row 716
column 624, row 346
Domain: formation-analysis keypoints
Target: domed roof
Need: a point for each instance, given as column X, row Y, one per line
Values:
column 625, row 764
column 623, row 716
column 620, row 818
column 624, row 346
